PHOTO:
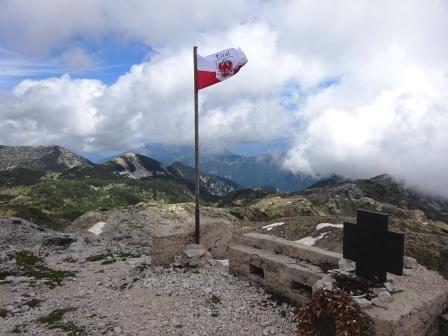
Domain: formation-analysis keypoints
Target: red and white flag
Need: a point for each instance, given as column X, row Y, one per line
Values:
column 217, row 67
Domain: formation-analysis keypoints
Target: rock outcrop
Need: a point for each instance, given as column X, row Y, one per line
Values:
column 46, row 158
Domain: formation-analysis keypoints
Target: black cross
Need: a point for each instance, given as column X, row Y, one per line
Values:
column 374, row 249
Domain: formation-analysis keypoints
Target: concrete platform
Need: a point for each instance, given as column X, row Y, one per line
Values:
column 409, row 305
column 281, row 274
column 287, row 268
column 309, row 254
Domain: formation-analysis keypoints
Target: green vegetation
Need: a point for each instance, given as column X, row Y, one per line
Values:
column 108, row 261
column 125, row 255
column 3, row 313
column 26, row 259
column 109, row 258
column 54, row 277
column 99, row 257
column 57, row 201
column 32, row 266
column 53, row 321
column 20, row 177
column 54, row 316
column 33, row 303
column 71, row 328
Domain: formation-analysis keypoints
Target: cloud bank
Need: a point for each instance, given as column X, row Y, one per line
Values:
column 358, row 88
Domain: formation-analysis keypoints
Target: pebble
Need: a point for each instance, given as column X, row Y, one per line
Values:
column 410, row 262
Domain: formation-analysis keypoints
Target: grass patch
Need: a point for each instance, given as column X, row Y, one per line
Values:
column 32, row 266
column 54, row 317
column 124, row 255
column 99, row 257
column 108, row 261
column 71, row 328
column 109, row 258
column 33, row 303
column 55, row 276
column 26, row 259
column 53, row 321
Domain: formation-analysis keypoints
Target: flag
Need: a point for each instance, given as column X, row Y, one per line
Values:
column 217, row 67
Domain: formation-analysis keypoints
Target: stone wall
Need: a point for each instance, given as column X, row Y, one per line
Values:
column 215, row 237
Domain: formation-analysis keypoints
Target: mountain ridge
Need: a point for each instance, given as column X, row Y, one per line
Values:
column 47, row 158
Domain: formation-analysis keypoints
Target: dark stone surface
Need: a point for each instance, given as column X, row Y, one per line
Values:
column 443, row 325
column 375, row 250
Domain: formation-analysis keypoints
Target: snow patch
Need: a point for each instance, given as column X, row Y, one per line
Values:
column 224, row 262
column 310, row 241
column 97, row 229
column 324, row 225
column 269, row 227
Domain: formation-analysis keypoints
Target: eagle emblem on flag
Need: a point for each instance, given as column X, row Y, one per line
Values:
column 224, row 69
column 219, row 66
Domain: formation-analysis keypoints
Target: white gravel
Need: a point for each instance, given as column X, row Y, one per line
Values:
column 129, row 297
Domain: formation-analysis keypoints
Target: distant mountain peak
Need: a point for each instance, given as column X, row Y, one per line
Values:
column 47, row 158
column 137, row 166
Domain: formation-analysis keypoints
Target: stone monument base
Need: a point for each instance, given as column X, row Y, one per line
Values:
column 409, row 305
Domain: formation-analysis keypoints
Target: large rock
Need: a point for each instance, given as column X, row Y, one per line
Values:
column 164, row 229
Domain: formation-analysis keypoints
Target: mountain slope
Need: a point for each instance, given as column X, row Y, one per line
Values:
column 215, row 185
column 130, row 165
column 46, row 158
column 138, row 166
column 253, row 172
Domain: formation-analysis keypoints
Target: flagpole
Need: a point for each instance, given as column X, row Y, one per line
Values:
column 196, row 147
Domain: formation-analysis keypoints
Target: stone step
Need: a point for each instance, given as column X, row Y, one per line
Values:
column 281, row 274
column 310, row 254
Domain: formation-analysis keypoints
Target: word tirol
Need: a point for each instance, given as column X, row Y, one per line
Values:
column 223, row 55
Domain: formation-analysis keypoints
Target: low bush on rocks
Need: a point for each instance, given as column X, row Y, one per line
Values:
column 26, row 259
column 55, row 316
column 33, row 266
column 52, row 321
column 330, row 313
column 33, row 303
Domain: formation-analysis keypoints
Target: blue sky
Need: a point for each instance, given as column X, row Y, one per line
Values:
column 111, row 58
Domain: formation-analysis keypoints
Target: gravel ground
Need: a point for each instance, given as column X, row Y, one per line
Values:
column 123, row 295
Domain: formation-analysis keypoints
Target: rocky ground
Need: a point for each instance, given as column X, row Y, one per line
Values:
column 82, row 284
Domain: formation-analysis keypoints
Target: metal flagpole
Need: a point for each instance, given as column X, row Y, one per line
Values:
column 196, row 146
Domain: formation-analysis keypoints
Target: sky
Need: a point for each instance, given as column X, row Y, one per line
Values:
column 355, row 88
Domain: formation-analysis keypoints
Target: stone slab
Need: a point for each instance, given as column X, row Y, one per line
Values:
column 165, row 248
column 284, row 275
column 416, row 309
column 313, row 255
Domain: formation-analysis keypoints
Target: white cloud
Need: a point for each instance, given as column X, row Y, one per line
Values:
column 76, row 59
column 387, row 114
column 154, row 102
